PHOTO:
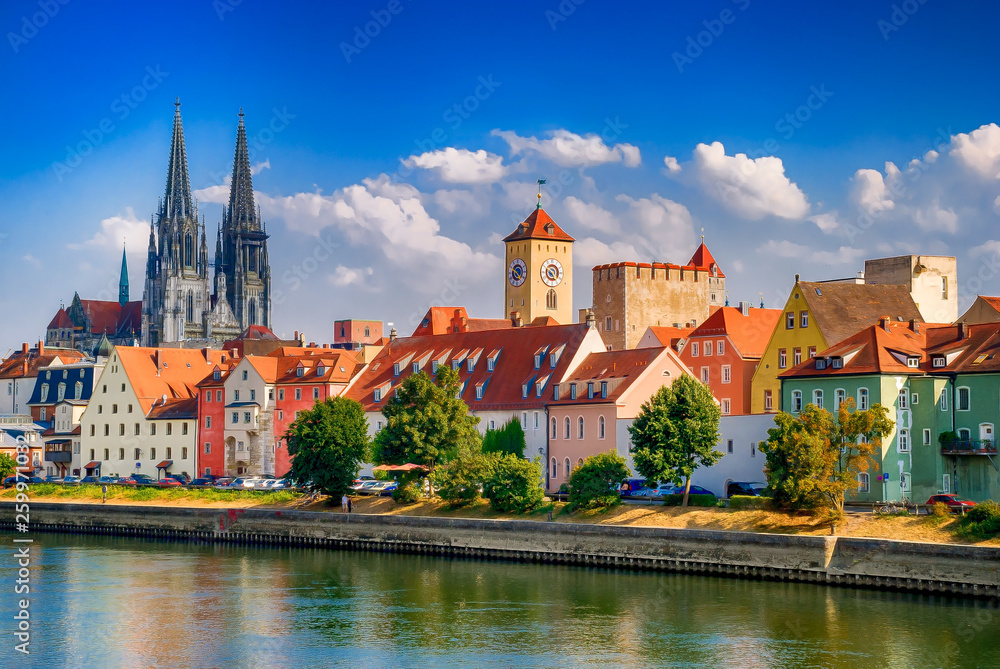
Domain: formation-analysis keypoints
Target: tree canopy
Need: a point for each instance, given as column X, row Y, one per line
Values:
column 676, row 432
column 328, row 443
column 511, row 483
column 595, row 483
column 813, row 459
column 426, row 422
column 508, row 438
column 8, row 465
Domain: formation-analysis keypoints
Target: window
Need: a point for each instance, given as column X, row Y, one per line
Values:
column 818, row 398
column 41, row 414
column 729, row 446
column 114, row 408
column 170, row 428
column 904, row 441
column 555, row 427
column 121, row 453
column 694, row 349
column 812, row 351
column 782, row 358
column 107, row 430
column 136, row 429
column 170, row 453
column 569, row 467
column 524, row 421
column 927, row 437
column 797, row 356
column 235, row 417
column 796, row 401
column 244, row 375
column 298, row 393
column 753, row 449
column 138, row 454
column 218, row 395
column 768, row 403
column 152, row 429
column 725, row 406
column 281, row 415
column 946, row 483
column 184, row 452
column 914, row 398
column 720, row 347
column 803, row 319
column 944, row 288
column 726, row 374
column 964, row 399
column 862, row 399
column 554, row 468
column 580, row 422
column 904, row 399
column 704, row 375
column 944, row 399
column 208, row 395
column 600, row 427
column 152, row 453
column 607, row 328
column 208, row 448
column 253, row 395
column 567, row 424
column 590, row 390
column 604, row 389
column 208, row 422
column 92, row 430
column 790, row 320
column 708, row 348
column 121, row 429
column 863, row 482
column 551, row 300
column 315, row 393
column 839, row 395
column 964, row 434
column 246, row 416
column 236, row 396
column 300, row 371
column 536, row 420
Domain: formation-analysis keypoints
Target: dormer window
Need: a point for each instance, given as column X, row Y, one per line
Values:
column 912, row 362
column 320, row 369
column 434, row 367
column 479, row 391
column 572, row 392
column 300, row 370
column 216, row 375
column 555, row 393
column 538, row 361
column 416, row 367
column 395, row 369
column 604, row 389
column 377, row 395
column 820, row 363
column 524, row 391
column 590, row 390
column 837, row 363
column 939, row 361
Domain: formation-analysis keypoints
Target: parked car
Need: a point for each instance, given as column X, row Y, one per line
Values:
column 643, row 492
column 953, row 501
column 108, row 479
column 667, row 489
column 34, row 479
column 264, row 482
column 90, row 479
column 698, row 490
column 10, row 481
column 630, row 486
column 71, row 480
column 168, row 482
column 202, row 483
column 182, row 479
column 52, row 478
column 137, row 479
column 222, row 483
column 388, row 489
column 279, row 484
column 244, row 482
column 754, row 489
column 365, row 487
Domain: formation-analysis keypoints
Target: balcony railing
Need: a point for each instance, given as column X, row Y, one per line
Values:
column 58, row 456
column 969, row 447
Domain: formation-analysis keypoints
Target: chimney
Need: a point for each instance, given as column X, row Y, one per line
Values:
column 884, row 323
column 207, row 352
column 915, row 325
column 515, row 319
column 745, row 308
column 964, row 330
column 158, row 359
column 392, row 333
column 24, row 348
column 296, row 337
column 41, row 348
column 591, row 319
column 234, row 353
column 796, row 278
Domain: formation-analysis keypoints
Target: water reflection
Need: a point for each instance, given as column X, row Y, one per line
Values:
column 108, row 602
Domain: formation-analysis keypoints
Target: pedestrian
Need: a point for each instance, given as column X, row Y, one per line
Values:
column 349, row 506
column 345, row 503
column 104, row 492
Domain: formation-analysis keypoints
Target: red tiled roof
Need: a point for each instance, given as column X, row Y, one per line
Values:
column 703, row 258
column 443, row 320
column 177, row 378
column 749, row 334
column 538, row 225
column 258, row 332
column 619, row 368
column 60, row 320
column 668, row 335
column 14, row 367
column 515, row 349
column 174, row 409
column 992, row 301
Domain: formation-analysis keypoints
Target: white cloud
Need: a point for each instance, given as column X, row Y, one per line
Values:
column 114, row 230
column 870, row 191
column 826, row 222
column 979, row 150
column 588, row 215
column 568, row 149
column 31, row 260
column 671, row 164
column 345, row 276
column 751, row 188
column 589, row 252
column 786, row 249
column 934, row 217
column 257, row 168
column 996, row 204
column 461, row 165
column 462, row 202
column 991, row 247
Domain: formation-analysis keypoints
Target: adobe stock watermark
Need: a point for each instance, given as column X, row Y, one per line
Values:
column 898, row 17
column 363, row 35
column 121, row 107
column 22, row 554
column 223, row 7
column 280, row 119
column 696, row 44
column 30, row 25
column 563, row 11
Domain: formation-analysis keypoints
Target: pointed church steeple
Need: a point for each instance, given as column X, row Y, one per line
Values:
column 242, row 213
column 177, row 201
column 123, row 281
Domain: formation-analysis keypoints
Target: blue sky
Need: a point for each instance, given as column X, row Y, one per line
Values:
column 382, row 199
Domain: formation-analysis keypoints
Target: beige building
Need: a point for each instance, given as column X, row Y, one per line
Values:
column 984, row 310
column 931, row 280
column 631, row 297
column 539, row 268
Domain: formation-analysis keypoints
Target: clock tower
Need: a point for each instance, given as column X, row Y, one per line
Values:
column 539, row 270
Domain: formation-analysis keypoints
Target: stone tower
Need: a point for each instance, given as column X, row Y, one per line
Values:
column 242, row 271
column 539, row 270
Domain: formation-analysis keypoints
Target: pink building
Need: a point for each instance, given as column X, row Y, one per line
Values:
column 594, row 406
column 357, row 333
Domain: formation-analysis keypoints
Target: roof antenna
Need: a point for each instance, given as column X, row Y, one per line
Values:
column 541, row 182
column 761, row 299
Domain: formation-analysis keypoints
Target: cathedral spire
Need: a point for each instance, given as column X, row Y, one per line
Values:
column 242, row 214
column 123, row 281
column 177, row 201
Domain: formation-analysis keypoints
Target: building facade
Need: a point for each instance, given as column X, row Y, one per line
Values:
column 19, row 373
column 539, row 270
column 630, row 297
column 931, row 280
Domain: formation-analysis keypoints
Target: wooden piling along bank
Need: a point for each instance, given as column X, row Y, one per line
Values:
column 971, row 571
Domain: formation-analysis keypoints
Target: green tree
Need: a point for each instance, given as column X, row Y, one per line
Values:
column 8, row 466
column 508, row 438
column 460, row 481
column 595, row 483
column 511, row 483
column 676, row 432
column 426, row 422
column 814, row 459
column 328, row 443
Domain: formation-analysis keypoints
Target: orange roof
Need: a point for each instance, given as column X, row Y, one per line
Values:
column 177, row 377
column 620, row 369
column 668, row 335
column 992, row 301
column 111, row 317
column 15, row 367
column 702, row 258
column 749, row 333
column 442, row 320
column 538, row 225
column 60, row 320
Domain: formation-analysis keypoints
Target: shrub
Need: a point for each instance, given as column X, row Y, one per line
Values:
column 940, row 510
column 508, row 438
column 460, row 482
column 982, row 521
column 406, row 493
column 741, row 502
column 513, row 484
column 594, row 484
column 693, row 500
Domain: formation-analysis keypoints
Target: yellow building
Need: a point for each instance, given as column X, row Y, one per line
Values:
column 539, row 268
column 818, row 315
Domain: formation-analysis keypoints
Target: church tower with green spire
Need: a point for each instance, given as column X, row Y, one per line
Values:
column 123, row 282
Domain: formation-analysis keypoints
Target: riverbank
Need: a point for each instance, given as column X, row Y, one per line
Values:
column 856, row 562
column 928, row 529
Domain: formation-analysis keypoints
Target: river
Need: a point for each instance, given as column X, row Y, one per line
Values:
column 115, row 602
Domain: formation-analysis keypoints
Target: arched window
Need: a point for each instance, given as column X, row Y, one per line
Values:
column 839, row 396
column 61, row 392
column 569, row 467
column 555, row 428
column 600, row 427
column 253, row 312
column 796, row 401
column 551, row 300
column 568, row 434
column 190, row 308
column 188, row 251
column 581, row 427
column 818, row 398
column 368, row 331
column 555, row 468
column 78, row 388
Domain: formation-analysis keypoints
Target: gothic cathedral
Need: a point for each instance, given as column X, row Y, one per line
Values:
column 179, row 304
column 539, row 270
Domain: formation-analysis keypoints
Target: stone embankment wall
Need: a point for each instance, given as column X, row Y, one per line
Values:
column 872, row 563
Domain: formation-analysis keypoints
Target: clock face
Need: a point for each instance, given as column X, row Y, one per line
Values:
column 517, row 272
column 552, row 272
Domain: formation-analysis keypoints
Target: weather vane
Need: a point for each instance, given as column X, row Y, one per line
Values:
column 541, row 182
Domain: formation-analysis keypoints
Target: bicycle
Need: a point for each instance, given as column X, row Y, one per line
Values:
column 903, row 505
